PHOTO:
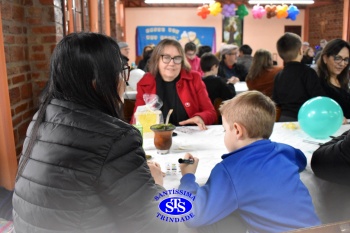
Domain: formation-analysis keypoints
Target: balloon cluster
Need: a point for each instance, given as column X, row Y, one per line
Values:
column 227, row 10
column 258, row 12
column 203, row 11
column 280, row 11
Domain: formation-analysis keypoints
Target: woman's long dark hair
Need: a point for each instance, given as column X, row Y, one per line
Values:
column 262, row 60
column 333, row 47
column 84, row 69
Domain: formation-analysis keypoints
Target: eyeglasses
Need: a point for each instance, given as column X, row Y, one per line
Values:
column 338, row 59
column 126, row 73
column 167, row 59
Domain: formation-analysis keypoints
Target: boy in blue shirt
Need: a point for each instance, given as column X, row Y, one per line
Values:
column 258, row 179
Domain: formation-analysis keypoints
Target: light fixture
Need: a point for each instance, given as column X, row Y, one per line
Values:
column 281, row 2
column 179, row 1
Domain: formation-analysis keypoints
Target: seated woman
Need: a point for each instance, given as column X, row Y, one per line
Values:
column 180, row 89
column 82, row 168
column 262, row 73
column 331, row 161
column 146, row 54
column 333, row 70
column 308, row 56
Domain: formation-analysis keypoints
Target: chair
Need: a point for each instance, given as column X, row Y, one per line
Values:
column 129, row 106
column 135, row 76
column 217, row 103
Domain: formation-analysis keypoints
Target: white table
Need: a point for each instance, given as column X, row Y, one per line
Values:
column 332, row 201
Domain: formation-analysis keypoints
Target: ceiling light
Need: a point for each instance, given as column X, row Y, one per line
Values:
column 179, row 1
column 281, row 2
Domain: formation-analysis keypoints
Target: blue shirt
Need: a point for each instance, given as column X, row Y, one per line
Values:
column 262, row 182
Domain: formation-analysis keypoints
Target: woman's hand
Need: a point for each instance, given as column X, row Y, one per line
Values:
column 189, row 168
column 195, row 120
column 345, row 121
column 156, row 172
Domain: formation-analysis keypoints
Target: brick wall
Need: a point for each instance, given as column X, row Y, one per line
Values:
column 31, row 30
column 326, row 22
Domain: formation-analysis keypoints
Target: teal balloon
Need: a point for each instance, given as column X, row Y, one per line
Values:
column 320, row 117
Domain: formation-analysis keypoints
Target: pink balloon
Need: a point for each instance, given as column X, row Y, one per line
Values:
column 258, row 12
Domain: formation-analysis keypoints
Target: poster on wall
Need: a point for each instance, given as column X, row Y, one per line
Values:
column 146, row 35
column 232, row 30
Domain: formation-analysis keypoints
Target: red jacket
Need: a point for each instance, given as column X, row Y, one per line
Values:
column 192, row 93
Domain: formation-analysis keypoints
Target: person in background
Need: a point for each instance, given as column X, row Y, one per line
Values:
column 180, row 89
column 323, row 43
column 276, row 200
column 83, row 169
column 305, row 46
column 262, row 73
column 124, row 50
column 308, row 57
column 216, row 86
column 203, row 49
column 228, row 67
column 193, row 60
column 333, row 71
column 245, row 56
column 146, row 54
column 296, row 83
column 331, row 161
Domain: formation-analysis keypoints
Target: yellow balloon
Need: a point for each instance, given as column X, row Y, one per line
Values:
column 215, row 8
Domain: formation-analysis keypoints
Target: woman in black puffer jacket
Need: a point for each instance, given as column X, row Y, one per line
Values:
column 331, row 161
column 83, row 168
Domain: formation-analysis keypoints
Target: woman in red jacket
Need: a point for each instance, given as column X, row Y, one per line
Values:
column 180, row 89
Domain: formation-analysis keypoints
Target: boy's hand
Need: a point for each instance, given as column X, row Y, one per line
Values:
column 189, row 168
column 156, row 172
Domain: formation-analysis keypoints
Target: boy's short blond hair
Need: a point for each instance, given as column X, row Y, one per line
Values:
column 252, row 109
column 288, row 46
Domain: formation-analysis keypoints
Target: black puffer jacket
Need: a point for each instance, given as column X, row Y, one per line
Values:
column 331, row 161
column 87, row 173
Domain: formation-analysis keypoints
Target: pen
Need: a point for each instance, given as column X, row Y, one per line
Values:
column 188, row 161
column 312, row 142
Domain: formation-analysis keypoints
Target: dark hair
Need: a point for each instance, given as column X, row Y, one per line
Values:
column 262, row 60
column 208, row 60
column 84, row 69
column 190, row 46
column 203, row 49
column 333, row 47
column 288, row 46
column 246, row 49
column 146, row 50
column 153, row 66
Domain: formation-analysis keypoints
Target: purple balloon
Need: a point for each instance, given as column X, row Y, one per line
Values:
column 228, row 10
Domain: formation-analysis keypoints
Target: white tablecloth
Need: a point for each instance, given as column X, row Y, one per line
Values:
column 332, row 201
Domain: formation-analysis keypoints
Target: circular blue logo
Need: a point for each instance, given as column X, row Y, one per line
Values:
column 175, row 206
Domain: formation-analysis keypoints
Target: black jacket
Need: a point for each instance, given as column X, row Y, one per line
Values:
column 331, row 161
column 87, row 173
column 293, row 86
column 238, row 70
